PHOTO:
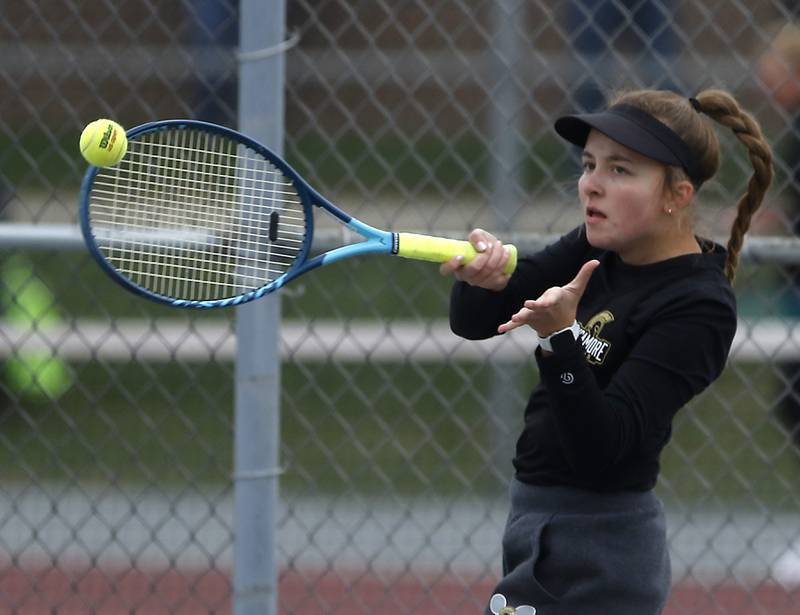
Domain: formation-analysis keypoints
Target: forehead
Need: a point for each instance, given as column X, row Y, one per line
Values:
column 599, row 145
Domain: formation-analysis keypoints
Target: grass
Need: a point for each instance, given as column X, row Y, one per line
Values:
column 131, row 423
column 728, row 448
column 377, row 429
column 171, row 424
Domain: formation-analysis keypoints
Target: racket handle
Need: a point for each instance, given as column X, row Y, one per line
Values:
column 440, row 250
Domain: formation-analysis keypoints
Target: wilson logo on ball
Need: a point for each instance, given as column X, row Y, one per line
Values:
column 107, row 141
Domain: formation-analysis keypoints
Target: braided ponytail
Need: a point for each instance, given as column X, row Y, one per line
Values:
column 723, row 108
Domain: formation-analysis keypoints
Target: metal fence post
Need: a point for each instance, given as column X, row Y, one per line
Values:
column 257, row 421
column 505, row 199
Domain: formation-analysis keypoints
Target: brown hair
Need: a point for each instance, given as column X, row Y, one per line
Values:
column 687, row 120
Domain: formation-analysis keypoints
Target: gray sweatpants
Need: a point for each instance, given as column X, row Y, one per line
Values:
column 572, row 552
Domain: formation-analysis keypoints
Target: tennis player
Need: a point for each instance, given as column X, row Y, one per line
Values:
column 635, row 315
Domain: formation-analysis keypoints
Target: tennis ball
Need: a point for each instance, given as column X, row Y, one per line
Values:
column 103, row 143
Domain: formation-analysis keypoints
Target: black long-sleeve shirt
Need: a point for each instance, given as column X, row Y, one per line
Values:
column 652, row 337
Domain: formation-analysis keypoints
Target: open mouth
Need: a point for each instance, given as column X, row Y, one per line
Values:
column 594, row 214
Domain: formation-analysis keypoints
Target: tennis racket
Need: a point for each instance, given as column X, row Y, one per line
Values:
column 197, row 215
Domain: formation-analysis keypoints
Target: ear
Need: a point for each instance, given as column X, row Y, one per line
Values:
column 680, row 196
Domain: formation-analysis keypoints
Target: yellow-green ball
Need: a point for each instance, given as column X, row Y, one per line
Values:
column 103, row 143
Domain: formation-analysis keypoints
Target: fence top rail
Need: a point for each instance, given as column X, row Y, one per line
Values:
column 762, row 249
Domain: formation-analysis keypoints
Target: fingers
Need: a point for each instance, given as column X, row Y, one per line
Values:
column 486, row 267
column 486, row 270
column 508, row 326
column 491, row 253
column 549, row 299
column 517, row 320
column 491, row 259
column 481, row 239
column 452, row 266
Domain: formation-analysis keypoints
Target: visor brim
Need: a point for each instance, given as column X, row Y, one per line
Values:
column 619, row 128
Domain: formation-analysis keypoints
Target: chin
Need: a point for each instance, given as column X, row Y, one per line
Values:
column 599, row 240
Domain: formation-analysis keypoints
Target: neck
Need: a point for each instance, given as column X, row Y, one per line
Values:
column 655, row 251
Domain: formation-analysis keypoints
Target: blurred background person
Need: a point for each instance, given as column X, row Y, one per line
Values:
column 616, row 39
column 215, row 30
column 779, row 70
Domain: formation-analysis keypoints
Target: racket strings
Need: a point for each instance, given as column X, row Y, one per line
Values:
column 193, row 234
column 267, row 187
column 108, row 201
column 197, row 216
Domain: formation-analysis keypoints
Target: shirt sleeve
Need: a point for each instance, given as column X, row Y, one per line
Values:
column 475, row 313
column 676, row 357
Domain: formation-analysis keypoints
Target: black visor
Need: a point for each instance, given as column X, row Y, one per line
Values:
column 635, row 129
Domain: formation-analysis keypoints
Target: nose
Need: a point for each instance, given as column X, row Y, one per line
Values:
column 590, row 184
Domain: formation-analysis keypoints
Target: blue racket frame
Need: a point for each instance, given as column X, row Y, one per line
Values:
column 375, row 240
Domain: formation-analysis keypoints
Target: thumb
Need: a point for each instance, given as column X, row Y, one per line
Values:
column 578, row 285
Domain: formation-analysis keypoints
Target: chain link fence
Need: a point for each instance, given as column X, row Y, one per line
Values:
column 116, row 424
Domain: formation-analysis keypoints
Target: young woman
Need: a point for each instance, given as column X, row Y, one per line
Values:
column 635, row 315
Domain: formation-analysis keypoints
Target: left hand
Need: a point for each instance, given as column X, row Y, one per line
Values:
column 557, row 307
